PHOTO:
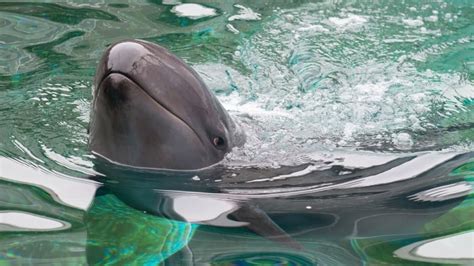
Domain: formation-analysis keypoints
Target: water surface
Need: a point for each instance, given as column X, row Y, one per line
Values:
column 359, row 120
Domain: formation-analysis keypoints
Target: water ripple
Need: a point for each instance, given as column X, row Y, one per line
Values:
column 312, row 84
column 56, row 13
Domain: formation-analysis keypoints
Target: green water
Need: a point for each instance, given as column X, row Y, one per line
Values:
column 299, row 76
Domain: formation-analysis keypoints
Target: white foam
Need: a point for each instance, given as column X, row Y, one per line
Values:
column 193, row 11
column 233, row 103
column 403, row 141
column 351, row 21
column 313, row 88
column 432, row 18
column 316, row 28
column 413, row 22
column 245, row 13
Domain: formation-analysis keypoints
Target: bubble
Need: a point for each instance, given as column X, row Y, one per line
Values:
column 402, row 141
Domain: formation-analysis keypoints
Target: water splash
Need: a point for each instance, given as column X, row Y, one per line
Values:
column 333, row 79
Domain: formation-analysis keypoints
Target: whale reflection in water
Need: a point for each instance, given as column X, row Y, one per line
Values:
column 42, row 215
column 346, row 195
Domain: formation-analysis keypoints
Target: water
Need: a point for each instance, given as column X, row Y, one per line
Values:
column 359, row 121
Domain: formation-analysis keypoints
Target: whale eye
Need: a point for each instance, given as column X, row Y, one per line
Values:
column 218, row 142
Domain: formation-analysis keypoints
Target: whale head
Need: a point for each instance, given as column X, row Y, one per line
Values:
column 150, row 109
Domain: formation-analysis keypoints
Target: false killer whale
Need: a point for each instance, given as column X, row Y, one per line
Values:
column 161, row 132
column 151, row 110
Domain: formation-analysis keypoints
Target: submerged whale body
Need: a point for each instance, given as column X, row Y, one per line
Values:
column 150, row 109
column 290, row 205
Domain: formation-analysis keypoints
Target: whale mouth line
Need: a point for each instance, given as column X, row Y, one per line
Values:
column 151, row 97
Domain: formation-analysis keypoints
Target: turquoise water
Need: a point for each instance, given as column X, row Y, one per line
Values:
column 353, row 110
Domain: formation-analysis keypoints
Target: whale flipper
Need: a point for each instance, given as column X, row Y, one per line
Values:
column 260, row 223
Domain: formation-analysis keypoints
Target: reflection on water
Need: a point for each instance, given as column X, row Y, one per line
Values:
column 50, row 218
column 456, row 249
column 359, row 122
column 330, row 212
